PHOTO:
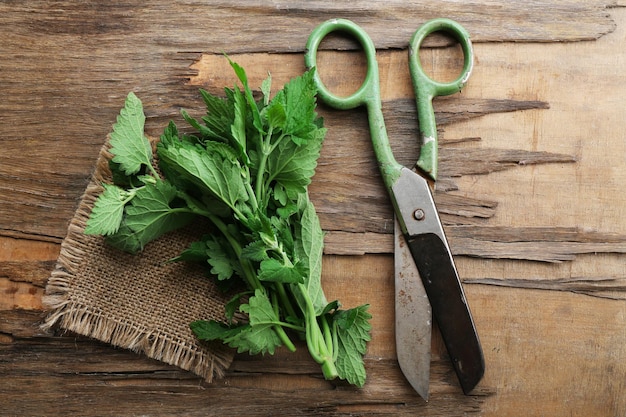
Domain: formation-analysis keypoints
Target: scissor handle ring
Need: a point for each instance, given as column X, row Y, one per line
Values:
column 420, row 78
column 369, row 89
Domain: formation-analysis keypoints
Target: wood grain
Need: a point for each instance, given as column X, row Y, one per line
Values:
column 80, row 60
column 532, row 196
column 252, row 385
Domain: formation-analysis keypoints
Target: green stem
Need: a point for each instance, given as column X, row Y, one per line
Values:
column 249, row 189
column 284, row 338
column 284, row 324
column 335, row 342
column 275, row 144
column 154, row 172
column 311, row 340
column 274, row 301
column 252, row 279
column 328, row 336
column 266, row 149
column 249, row 273
column 316, row 343
column 284, row 299
column 329, row 370
column 196, row 208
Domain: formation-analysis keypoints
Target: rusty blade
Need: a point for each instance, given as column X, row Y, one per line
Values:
column 427, row 242
column 413, row 318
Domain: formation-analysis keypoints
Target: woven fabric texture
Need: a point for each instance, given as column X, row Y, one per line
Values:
column 138, row 302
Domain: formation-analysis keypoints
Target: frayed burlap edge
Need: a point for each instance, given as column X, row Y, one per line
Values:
column 206, row 360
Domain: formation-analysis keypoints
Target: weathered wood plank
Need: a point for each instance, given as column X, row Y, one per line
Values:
column 99, row 375
column 68, row 372
column 34, row 272
column 541, row 244
column 45, row 195
column 283, row 26
column 74, row 93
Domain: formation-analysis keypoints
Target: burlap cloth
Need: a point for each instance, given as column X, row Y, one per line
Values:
column 138, row 302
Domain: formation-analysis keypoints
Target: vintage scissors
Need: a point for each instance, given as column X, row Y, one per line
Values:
column 423, row 258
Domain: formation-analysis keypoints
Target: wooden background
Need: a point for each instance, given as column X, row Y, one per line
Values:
column 533, row 166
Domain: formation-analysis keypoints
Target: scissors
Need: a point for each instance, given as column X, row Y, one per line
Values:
column 426, row 280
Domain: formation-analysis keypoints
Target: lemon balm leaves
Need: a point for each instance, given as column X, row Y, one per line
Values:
column 291, row 166
column 245, row 170
column 150, row 214
column 254, row 337
column 300, row 107
column 353, row 333
column 223, row 264
column 108, row 211
column 252, row 105
column 309, row 246
column 238, row 128
column 129, row 145
column 214, row 172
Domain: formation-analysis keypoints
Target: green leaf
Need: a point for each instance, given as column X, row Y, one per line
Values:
column 170, row 137
column 149, row 216
column 213, row 330
column 204, row 130
column 255, row 251
column 273, row 270
column 353, row 333
column 196, row 252
column 330, row 307
column 219, row 115
column 220, row 260
column 125, row 240
column 266, row 89
column 309, row 248
column 287, row 211
column 259, row 309
column 232, row 305
column 284, row 236
column 275, row 111
column 108, row 211
column 293, row 166
column 261, row 337
column 224, row 150
column 280, row 194
column 129, row 146
column 238, row 128
column 119, row 177
column 256, row 337
column 300, row 105
column 170, row 133
column 256, row 115
column 213, row 172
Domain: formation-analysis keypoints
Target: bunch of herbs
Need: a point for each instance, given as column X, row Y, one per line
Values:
column 245, row 169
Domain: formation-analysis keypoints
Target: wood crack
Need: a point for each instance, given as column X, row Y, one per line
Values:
column 540, row 244
column 613, row 288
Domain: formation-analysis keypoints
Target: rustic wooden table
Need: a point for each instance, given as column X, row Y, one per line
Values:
column 532, row 196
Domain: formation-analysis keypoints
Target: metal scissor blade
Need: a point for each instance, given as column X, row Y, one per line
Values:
column 450, row 308
column 413, row 318
column 427, row 243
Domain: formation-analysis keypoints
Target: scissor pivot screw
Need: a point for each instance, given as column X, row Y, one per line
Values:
column 419, row 214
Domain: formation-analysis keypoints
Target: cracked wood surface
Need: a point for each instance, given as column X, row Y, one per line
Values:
column 531, row 195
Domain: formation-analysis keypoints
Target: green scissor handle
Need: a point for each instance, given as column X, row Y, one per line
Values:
column 426, row 88
column 367, row 95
